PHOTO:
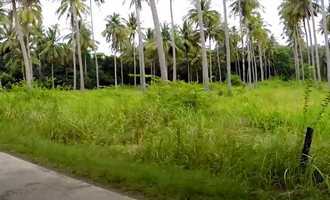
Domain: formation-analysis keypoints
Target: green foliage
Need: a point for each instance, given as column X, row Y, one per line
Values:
column 175, row 141
column 236, row 80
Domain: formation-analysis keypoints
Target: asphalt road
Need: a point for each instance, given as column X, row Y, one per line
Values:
column 22, row 180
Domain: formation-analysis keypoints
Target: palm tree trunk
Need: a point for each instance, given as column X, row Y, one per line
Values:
column 227, row 48
column 134, row 60
column 203, row 48
column 326, row 38
column 85, row 64
column 218, row 61
column 317, row 55
column 238, row 64
column 121, row 71
column 266, row 65
column 249, row 63
column 296, row 61
column 159, row 41
column 53, row 79
column 261, row 63
column 29, row 55
column 242, row 40
column 20, row 37
column 300, row 46
column 307, row 42
column 210, row 57
column 74, row 63
column 255, row 72
column 187, row 62
column 81, row 69
column 94, row 49
column 115, row 62
column 140, row 48
column 173, row 42
column 312, row 49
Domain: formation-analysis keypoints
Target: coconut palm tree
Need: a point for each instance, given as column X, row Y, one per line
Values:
column 74, row 9
column 93, row 37
column 131, row 24
column 198, row 5
column 189, row 38
column 159, row 40
column 138, row 6
column 227, row 47
column 114, row 34
column 51, row 49
column 211, row 19
column 173, row 41
column 24, row 49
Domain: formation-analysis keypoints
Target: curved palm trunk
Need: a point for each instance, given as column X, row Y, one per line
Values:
column 140, row 48
column 203, row 48
column 317, row 56
column 326, row 38
column 227, row 47
column 159, row 41
column 173, row 42
column 94, row 49
column 81, row 68
column 20, row 36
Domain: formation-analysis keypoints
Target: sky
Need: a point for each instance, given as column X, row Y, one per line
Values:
column 269, row 13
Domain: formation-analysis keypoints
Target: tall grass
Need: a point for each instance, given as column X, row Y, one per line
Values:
column 181, row 142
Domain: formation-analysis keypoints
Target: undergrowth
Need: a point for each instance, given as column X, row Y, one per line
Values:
column 250, row 141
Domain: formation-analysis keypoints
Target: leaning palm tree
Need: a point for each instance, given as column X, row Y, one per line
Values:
column 159, row 40
column 74, row 9
column 227, row 46
column 114, row 34
column 23, row 46
column 203, row 48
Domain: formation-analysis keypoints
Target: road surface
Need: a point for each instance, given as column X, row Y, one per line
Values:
column 22, row 180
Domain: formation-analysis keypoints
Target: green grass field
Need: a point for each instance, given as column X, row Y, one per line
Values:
column 176, row 141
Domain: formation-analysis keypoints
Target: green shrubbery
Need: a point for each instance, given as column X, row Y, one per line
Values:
column 251, row 139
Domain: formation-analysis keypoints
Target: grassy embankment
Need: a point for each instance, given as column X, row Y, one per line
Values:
column 174, row 141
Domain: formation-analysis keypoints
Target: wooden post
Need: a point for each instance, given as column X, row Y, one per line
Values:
column 307, row 145
column 317, row 176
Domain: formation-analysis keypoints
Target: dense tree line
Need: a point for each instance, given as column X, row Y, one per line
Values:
column 202, row 49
